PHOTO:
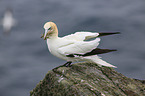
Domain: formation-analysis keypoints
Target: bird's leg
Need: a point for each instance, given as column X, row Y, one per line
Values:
column 67, row 64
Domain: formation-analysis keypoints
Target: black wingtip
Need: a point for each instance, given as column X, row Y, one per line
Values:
column 93, row 52
column 99, row 51
column 107, row 33
column 112, row 50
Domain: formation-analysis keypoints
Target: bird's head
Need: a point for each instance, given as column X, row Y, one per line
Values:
column 51, row 30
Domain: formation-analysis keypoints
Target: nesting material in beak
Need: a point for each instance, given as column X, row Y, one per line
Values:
column 42, row 35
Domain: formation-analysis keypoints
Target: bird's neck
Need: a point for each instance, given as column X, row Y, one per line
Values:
column 55, row 32
column 54, row 35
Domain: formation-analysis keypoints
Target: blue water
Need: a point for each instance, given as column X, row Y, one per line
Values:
column 24, row 58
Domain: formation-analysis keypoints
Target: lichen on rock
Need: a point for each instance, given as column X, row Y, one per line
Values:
column 87, row 79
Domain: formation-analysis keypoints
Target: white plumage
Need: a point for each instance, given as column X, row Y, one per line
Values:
column 74, row 48
column 8, row 21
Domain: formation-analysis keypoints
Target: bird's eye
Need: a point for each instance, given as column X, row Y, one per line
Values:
column 49, row 28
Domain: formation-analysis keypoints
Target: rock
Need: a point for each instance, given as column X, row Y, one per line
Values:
column 87, row 79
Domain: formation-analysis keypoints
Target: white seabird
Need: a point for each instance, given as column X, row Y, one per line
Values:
column 74, row 47
column 8, row 21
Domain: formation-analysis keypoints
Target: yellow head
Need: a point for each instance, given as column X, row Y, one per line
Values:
column 51, row 30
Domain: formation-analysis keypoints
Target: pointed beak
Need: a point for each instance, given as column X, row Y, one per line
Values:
column 45, row 35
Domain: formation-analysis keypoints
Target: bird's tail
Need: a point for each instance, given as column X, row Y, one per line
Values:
column 99, row 61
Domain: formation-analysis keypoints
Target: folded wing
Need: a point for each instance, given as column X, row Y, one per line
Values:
column 79, row 47
column 81, row 36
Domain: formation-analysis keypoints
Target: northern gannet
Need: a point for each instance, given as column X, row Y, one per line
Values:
column 74, row 47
